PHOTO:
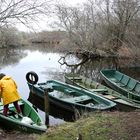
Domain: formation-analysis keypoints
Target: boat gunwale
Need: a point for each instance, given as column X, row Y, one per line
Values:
column 108, row 103
column 17, row 122
column 122, row 87
column 126, row 90
column 113, row 92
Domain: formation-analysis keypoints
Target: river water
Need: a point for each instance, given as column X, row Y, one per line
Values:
column 17, row 62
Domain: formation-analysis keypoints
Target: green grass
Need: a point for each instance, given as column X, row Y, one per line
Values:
column 97, row 126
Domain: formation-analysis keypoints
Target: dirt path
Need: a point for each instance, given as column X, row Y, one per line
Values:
column 15, row 135
column 131, row 122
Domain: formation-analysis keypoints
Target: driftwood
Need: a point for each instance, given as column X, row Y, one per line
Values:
column 71, row 65
column 84, row 55
column 88, row 54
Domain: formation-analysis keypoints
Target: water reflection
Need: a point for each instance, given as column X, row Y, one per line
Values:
column 55, row 111
column 44, row 61
column 44, row 64
column 92, row 68
column 10, row 56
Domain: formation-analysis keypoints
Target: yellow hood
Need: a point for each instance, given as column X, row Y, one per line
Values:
column 6, row 78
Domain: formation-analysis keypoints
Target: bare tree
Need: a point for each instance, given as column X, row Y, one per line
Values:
column 109, row 23
column 80, row 23
column 121, row 17
column 9, row 37
column 22, row 11
column 125, row 12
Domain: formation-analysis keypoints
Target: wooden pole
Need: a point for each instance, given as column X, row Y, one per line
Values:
column 46, row 101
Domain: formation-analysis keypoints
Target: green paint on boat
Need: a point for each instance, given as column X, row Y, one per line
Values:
column 124, row 84
column 15, row 121
column 70, row 97
column 123, row 103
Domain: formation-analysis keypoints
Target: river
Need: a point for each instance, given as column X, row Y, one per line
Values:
column 17, row 62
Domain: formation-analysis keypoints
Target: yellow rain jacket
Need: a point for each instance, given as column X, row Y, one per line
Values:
column 8, row 90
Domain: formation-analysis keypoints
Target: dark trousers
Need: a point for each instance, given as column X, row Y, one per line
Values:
column 16, row 106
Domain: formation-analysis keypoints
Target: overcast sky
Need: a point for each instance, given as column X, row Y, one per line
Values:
column 42, row 24
column 74, row 2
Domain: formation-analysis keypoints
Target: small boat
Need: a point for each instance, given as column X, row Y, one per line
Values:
column 125, row 85
column 69, row 97
column 29, row 121
column 123, row 103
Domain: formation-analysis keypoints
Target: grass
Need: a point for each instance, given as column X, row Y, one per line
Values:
column 97, row 126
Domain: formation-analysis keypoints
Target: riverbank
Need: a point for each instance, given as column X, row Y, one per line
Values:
column 99, row 126
column 111, row 125
column 95, row 126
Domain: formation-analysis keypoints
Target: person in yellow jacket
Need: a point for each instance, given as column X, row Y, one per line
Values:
column 9, row 93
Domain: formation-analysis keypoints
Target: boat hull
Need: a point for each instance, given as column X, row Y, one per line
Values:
column 71, row 105
column 15, row 122
column 123, row 103
column 63, row 114
column 125, row 85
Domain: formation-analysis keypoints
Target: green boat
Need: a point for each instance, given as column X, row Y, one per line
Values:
column 29, row 121
column 122, row 83
column 69, row 97
column 123, row 103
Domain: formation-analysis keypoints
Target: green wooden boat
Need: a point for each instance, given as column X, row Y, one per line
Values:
column 123, row 103
column 29, row 121
column 122, row 83
column 69, row 97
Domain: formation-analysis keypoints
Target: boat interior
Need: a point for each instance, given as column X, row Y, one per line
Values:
column 12, row 112
column 69, row 95
column 126, row 82
column 26, row 112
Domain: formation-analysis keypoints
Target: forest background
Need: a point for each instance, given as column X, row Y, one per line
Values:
column 104, row 26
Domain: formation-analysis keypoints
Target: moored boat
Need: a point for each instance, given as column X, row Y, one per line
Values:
column 124, row 84
column 29, row 121
column 70, row 97
column 123, row 103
